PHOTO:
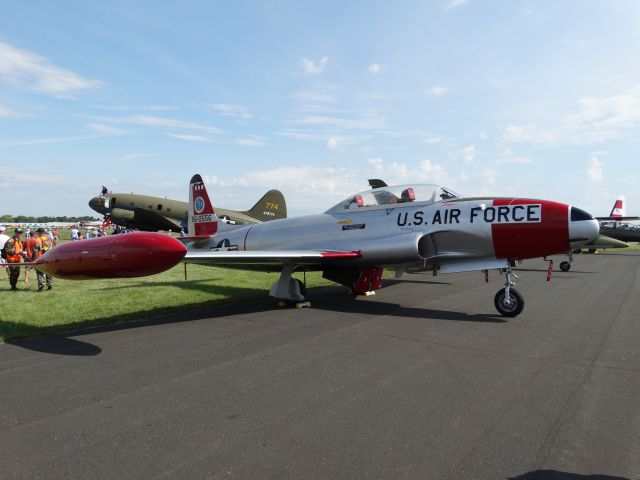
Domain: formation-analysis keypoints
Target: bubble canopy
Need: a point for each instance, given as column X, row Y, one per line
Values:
column 393, row 195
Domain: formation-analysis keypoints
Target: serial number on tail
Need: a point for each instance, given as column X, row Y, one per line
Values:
column 201, row 218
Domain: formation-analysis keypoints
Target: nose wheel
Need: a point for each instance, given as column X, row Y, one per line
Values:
column 509, row 305
column 508, row 301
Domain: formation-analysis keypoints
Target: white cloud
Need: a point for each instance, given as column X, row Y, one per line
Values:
column 435, row 172
column 310, row 67
column 323, row 95
column 159, row 108
column 367, row 121
column 595, row 120
column 230, row 110
column 490, row 175
column 10, row 178
column 106, row 129
column 594, row 171
column 437, row 91
column 339, row 143
column 252, row 141
column 376, row 163
column 31, row 71
column 162, row 122
column 40, row 141
column 190, row 138
column 468, row 153
column 432, row 140
column 455, row 4
column 375, row 68
column 7, row 112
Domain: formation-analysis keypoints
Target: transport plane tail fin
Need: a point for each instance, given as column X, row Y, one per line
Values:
column 619, row 208
column 271, row 206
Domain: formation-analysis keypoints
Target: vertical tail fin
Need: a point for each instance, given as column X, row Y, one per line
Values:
column 271, row 206
column 619, row 208
column 202, row 218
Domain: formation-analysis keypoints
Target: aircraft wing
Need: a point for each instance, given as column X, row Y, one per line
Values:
column 152, row 219
column 616, row 219
column 269, row 257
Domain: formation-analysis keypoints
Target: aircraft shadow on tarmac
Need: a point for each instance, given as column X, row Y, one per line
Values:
column 67, row 343
column 376, row 308
column 557, row 475
column 58, row 345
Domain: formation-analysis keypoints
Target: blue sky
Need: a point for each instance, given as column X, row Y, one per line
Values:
column 525, row 98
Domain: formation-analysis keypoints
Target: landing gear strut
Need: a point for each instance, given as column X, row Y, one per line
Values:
column 288, row 290
column 508, row 301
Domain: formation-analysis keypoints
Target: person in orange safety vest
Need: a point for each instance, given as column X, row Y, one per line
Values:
column 40, row 247
column 14, row 251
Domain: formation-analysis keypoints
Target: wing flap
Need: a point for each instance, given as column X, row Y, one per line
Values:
column 269, row 257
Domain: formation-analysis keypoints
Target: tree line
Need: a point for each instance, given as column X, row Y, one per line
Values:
column 45, row 219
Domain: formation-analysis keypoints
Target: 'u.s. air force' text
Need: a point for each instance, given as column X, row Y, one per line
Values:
column 501, row 214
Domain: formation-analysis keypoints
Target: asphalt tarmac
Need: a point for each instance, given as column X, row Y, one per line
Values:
column 422, row 381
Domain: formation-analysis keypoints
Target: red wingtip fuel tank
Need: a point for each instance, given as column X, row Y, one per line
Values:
column 117, row 256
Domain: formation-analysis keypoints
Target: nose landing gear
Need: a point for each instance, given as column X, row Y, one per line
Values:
column 508, row 300
column 565, row 266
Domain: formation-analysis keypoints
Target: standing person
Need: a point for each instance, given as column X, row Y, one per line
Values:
column 29, row 243
column 75, row 234
column 14, row 250
column 42, row 245
column 3, row 239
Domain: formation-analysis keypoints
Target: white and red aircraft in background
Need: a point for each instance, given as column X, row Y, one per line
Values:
column 417, row 227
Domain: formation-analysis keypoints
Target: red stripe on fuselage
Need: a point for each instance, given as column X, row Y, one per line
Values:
column 530, row 240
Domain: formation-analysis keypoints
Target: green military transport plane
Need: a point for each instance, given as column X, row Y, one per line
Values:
column 156, row 213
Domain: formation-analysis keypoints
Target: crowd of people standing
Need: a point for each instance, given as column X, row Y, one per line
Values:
column 26, row 247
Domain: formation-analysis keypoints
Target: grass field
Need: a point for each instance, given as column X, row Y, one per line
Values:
column 73, row 304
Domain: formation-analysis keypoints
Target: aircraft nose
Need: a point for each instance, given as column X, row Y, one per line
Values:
column 97, row 204
column 582, row 227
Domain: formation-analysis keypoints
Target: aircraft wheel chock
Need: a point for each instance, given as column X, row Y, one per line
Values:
column 515, row 305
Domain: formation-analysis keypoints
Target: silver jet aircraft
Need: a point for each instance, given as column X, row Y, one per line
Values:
column 409, row 227
column 417, row 227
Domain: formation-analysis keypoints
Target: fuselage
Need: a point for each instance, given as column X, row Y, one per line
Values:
column 627, row 232
column 448, row 232
column 129, row 209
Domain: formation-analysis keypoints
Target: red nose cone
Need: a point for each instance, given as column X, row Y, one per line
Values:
column 117, row 256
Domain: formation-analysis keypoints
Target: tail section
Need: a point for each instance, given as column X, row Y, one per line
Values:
column 619, row 208
column 271, row 206
column 202, row 219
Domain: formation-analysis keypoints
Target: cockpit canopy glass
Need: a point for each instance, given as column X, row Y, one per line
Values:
column 393, row 195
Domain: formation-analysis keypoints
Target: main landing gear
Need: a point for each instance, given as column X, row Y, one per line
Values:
column 508, row 300
column 289, row 291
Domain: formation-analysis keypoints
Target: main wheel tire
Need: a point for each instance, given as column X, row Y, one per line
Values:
column 515, row 306
column 565, row 266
